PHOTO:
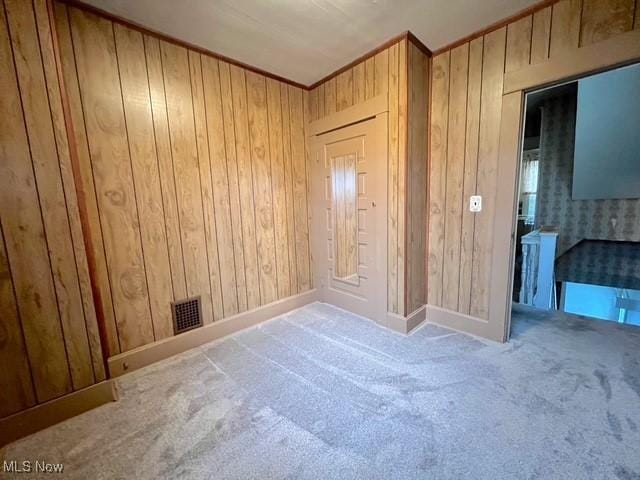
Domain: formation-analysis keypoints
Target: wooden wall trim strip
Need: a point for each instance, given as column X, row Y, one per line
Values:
column 47, row 35
column 81, row 194
column 502, row 265
column 161, row 36
column 404, row 194
column 71, row 82
column 497, row 25
column 618, row 50
column 55, row 411
column 147, row 354
column 356, row 113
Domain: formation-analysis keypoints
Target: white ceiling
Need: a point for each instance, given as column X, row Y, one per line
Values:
column 304, row 40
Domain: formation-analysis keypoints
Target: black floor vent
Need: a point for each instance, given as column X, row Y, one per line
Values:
column 187, row 315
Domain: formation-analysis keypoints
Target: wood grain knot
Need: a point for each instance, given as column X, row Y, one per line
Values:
column 116, row 197
column 133, row 283
column 107, row 122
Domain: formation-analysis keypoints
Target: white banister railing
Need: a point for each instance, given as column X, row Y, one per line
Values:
column 538, row 259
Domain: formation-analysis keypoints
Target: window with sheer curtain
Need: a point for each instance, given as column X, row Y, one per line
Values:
column 529, row 185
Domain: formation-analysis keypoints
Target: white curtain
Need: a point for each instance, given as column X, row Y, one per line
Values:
column 529, row 184
column 530, row 164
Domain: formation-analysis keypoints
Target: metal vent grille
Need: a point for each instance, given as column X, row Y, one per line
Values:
column 187, row 315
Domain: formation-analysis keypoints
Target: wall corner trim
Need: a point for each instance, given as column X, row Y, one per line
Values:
column 418, row 43
column 168, row 347
column 408, row 324
column 406, row 35
column 54, row 411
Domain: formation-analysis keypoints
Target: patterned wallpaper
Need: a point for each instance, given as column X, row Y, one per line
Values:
column 577, row 219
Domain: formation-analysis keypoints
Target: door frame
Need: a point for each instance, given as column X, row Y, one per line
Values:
column 354, row 114
column 376, row 110
column 618, row 51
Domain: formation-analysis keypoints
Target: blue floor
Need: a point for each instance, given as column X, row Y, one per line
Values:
column 322, row 394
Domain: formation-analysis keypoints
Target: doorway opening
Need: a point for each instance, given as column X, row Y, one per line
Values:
column 577, row 240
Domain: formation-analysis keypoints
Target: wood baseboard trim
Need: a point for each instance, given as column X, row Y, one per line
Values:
column 147, row 354
column 415, row 319
column 54, row 411
column 460, row 322
column 406, row 325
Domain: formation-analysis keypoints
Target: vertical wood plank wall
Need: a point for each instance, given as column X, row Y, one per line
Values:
column 416, row 179
column 465, row 119
column 382, row 74
column 194, row 177
column 196, row 171
column 49, row 340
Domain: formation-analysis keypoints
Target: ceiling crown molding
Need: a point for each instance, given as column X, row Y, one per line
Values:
column 176, row 41
column 392, row 41
column 404, row 35
column 497, row 25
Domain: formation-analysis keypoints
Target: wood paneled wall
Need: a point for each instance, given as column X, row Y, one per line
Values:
column 193, row 177
column 416, row 178
column 195, row 174
column 382, row 74
column 49, row 339
column 465, row 125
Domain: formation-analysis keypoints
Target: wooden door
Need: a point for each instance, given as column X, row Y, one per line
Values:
column 349, row 216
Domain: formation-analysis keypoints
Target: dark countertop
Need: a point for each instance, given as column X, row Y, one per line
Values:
column 601, row 262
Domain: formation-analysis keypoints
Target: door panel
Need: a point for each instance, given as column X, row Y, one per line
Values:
column 349, row 216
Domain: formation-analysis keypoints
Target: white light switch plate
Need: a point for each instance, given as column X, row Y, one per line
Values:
column 475, row 203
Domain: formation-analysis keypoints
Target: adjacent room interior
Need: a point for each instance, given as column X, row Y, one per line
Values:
column 578, row 234
column 320, row 240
